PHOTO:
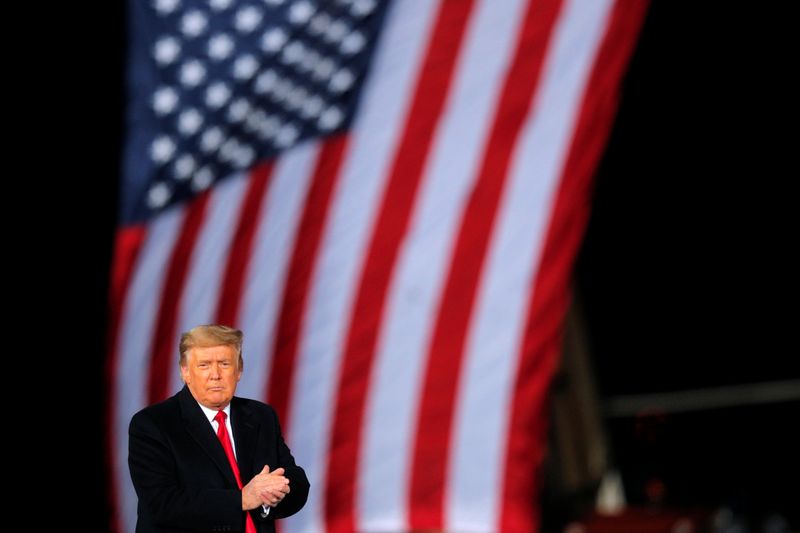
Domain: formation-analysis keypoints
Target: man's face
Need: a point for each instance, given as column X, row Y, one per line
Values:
column 212, row 374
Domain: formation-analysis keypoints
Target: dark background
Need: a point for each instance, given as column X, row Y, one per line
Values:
column 688, row 271
column 686, row 275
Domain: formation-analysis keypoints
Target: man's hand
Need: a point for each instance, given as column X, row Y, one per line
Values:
column 276, row 487
column 267, row 488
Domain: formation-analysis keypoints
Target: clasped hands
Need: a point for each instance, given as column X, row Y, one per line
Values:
column 267, row 488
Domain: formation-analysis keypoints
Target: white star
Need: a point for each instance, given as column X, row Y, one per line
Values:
column 164, row 100
column 247, row 19
column 293, row 53
column 287, row 135
column 211, row 139
column 162, row 149
column 362, row 8
column 253, row 122
column 220, row 47
column 243, row 157
column 281, row 90
column 228, row 150
column 193, row 23
column 296, row 99
column 269, row 128
column 309, row 61
column 238, row 110
column 245, row 67
column 217, row 95
column 353, row 43
column 323, row 69
column 336, row 31
column 319, row 23
column 273, row 40
column 300, row 12
column 341, row 81
column 312, row 107
column 158, row 196
column 265, row 81
column 184, row 166
column 166, row 50
column 192, row 73
column 220, row 5
column 330, row 118
column 165, row 7
column 189, row 121
column 202, row 179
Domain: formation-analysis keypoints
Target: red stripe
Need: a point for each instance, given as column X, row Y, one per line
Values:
column 303, row 263
column 163, row 348
column 550, row 296
column 434, row 425
column 242, row 245
column 387, row 234
column 126, row 252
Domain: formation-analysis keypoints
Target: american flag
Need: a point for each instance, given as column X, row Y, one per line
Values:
column 387, row 198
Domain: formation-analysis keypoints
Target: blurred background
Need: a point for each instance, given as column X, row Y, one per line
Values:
column 686, row 275
column 679, row 391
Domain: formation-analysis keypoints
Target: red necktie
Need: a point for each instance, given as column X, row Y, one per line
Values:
column 222, row 434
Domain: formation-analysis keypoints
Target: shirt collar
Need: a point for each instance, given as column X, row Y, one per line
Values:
column 211, row 413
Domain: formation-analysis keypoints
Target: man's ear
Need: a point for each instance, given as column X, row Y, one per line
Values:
column 184, row 373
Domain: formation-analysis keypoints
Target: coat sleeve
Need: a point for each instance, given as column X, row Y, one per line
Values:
column 298, row 482
column 167, row 501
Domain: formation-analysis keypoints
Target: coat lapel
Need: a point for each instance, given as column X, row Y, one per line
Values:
column 198, row 427
column 245, row 433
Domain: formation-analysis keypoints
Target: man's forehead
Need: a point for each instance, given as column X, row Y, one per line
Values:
column 215, row 352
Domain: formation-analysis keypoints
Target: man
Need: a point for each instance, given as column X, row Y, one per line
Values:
column 206, row 460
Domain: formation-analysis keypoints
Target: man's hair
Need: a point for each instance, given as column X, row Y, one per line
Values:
column 210, row 335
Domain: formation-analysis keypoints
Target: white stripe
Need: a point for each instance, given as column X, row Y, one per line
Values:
column 374, row 139
column 198, row 300
column 267, row 270
column 423, row 263
column 137, row 324
column 475, row 476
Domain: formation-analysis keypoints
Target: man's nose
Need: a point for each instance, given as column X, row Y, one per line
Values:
column 214, row 372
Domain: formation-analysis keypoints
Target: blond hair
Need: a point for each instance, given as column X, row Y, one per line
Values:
column 210, row 335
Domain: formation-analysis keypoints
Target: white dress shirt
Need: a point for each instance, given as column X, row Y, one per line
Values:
column 211, row 413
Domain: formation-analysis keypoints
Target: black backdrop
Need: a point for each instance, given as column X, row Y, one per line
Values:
column 686, row 274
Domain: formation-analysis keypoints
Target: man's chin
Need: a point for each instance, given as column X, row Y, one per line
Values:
column 217, row 398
